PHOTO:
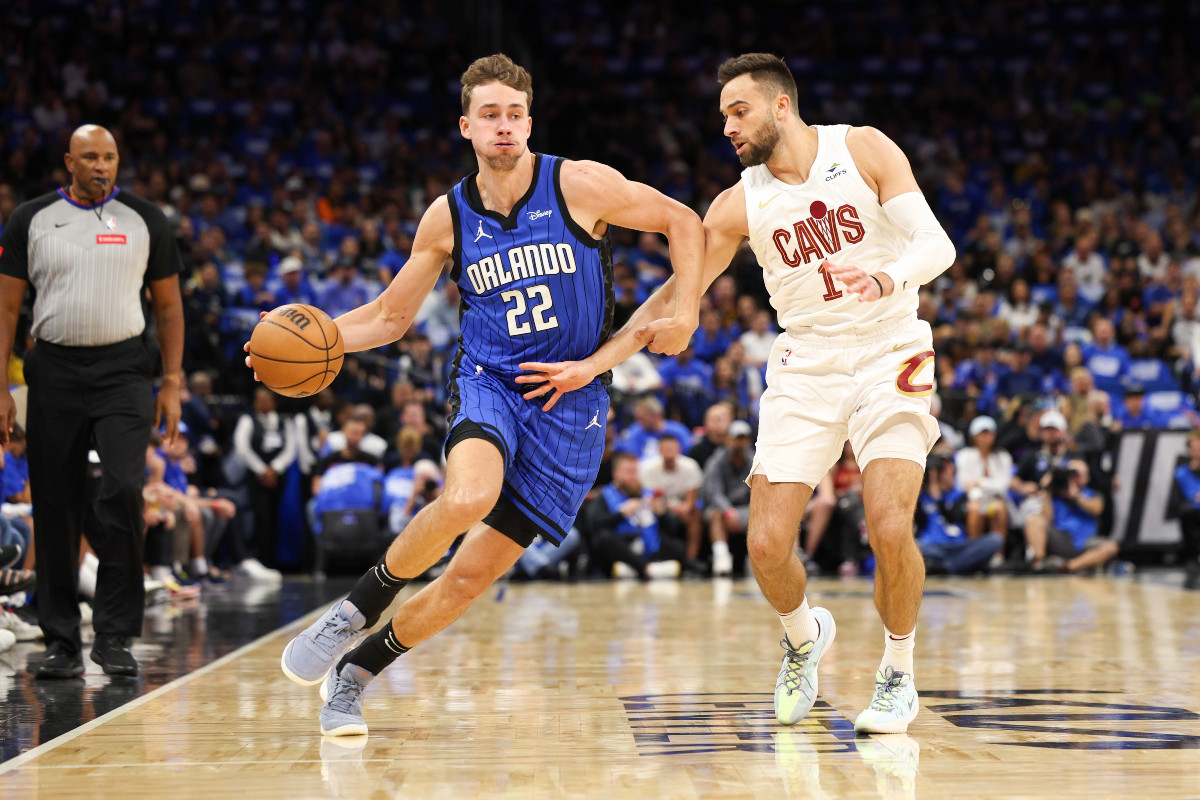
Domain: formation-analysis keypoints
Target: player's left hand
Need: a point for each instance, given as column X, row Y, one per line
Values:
column 668, row 337
column 560, row 378
column 868, row 287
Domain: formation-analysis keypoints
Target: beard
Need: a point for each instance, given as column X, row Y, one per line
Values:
column 506, row 161
column 760, row 151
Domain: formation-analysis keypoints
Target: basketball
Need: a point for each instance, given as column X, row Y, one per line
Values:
column 296, row 350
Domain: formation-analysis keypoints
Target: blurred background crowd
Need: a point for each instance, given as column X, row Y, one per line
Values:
column 293, row 147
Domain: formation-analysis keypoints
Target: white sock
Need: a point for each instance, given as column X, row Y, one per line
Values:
column 898, row 651
column 200, row 566
column 801, row 625
column 160, row 572
column 90, row 561
column 720, row 549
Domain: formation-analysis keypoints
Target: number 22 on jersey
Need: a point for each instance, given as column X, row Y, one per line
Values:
column 518, row 326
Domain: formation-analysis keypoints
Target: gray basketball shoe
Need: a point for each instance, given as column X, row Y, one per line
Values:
column 342, row 713
column 309, row 656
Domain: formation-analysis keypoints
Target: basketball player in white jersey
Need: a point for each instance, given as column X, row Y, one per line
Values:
column 845, row 239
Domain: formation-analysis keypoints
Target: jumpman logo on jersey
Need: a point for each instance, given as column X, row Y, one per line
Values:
column 595, row 421
column 482, row 234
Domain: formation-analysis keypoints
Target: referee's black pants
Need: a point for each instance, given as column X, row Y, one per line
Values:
column 83, row 397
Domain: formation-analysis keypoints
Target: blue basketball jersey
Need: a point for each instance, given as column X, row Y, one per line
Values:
column 535, row 286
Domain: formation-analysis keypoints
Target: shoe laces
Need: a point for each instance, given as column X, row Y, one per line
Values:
column 887, row 691
column 345, row 695
column 796, row 659
column 329, row 636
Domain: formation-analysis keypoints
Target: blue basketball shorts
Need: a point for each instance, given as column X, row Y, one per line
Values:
column 550, row 457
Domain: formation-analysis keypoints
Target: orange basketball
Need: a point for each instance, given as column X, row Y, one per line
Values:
column 296, row 350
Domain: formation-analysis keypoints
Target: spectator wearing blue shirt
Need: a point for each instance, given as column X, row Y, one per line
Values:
column 1063, row 535
column 1043, row 354
column 1024, row 377
column 1105, row 359
column 623, row 528
column 1160, row 294
column 641, row 438
column 14, row 469
column 979, row 377
column 1134, row 414
column 688, row 386
column 345, row 291
column 255, row 294
column 293, row 284
column 940, row 524
column 1071, row 308
column 710, row 340
column 1185, row 505
column 651, row 260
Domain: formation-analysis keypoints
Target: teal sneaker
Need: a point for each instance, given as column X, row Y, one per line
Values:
column 796, row 686
column 893, row 706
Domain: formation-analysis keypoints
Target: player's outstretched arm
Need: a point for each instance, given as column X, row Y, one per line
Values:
column 930, row 252
column 596, row 192
column 386, row 318
column 725, row 227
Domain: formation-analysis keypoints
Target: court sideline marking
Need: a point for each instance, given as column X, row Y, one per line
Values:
column 46, row 747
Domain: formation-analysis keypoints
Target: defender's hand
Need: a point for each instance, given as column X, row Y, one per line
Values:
column 560, row 378
column 668, row 336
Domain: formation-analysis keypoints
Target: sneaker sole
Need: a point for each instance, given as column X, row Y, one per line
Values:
column 349, row 729
column 293, row 677
column 824, row 650
column 60, row 674
column 896, row 726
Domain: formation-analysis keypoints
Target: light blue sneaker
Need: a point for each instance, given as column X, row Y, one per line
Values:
column 309, row 657
column 796, row 686
column 893, row 706
column 343, row 694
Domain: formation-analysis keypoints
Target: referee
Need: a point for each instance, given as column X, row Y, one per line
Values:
column 88, row 251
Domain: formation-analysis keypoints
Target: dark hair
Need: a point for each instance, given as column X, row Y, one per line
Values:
column 492, row 69
column 770, row 71
column 670, row 436
column 619, row 456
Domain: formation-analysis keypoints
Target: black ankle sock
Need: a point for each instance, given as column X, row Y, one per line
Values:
column 375, row 652
column 375, row 591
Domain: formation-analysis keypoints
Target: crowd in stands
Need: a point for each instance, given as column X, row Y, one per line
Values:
column 294, row 152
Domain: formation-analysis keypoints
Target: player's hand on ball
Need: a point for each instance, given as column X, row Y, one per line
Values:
column 246, row 349
column 868, row 287
column 560, row 378
column 668, row 337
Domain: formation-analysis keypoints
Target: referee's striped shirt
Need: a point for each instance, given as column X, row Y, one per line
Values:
column 88, row 264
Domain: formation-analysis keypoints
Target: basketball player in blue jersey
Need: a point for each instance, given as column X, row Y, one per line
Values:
column 525, row 237
column 845, row 238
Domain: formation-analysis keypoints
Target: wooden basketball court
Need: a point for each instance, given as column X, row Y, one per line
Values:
column 1059, row 687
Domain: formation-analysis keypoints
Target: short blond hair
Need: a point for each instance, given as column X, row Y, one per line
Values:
column 497, row 68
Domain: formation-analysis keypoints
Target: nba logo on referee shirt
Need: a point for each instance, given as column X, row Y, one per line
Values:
column 111, row 223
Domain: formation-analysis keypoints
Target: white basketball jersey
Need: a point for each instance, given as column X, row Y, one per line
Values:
column 834, row 215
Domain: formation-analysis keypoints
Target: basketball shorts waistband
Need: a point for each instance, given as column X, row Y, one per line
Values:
column 883, row 331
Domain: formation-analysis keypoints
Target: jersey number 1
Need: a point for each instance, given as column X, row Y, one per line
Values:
column 831, row 291
column 519, row 327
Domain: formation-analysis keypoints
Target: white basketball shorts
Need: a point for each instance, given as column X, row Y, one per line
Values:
column 872, row 387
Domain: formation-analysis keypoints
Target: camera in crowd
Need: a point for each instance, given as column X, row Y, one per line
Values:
column 1061, row 479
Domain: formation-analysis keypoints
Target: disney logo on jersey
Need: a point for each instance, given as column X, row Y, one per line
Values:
column 820, row 235
column 530, row 261
column 534, row 216
column 834, row 172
